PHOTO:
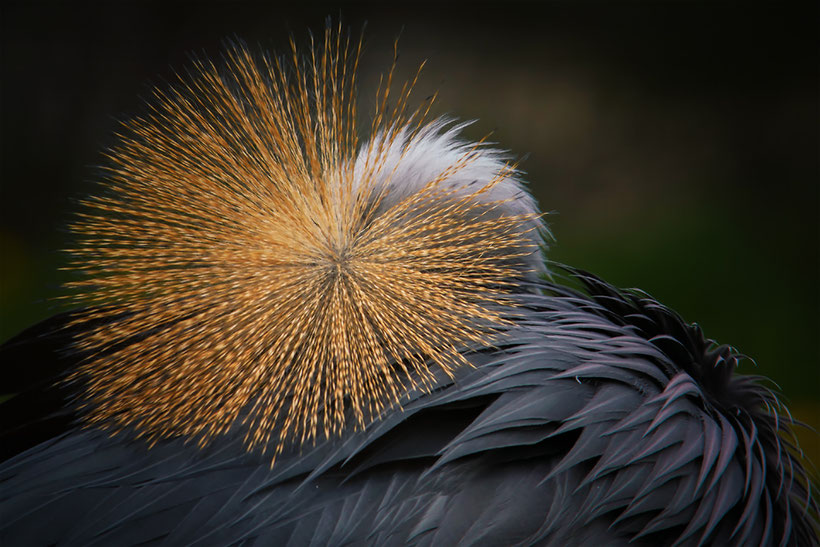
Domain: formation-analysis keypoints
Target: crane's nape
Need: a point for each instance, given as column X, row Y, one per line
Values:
column 288, row 331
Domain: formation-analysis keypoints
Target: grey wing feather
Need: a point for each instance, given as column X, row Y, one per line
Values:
column 601, row 418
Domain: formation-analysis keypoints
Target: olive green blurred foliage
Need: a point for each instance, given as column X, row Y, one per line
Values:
column 675, row 142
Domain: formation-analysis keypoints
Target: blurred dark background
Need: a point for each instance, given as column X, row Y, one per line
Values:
column 677, row 142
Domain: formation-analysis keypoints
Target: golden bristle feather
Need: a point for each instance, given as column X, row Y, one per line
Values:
column 254, row 264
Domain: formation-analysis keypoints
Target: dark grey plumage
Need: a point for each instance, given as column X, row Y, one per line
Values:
column 602, row 418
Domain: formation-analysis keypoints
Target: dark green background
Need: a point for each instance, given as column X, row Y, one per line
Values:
column 677, row 142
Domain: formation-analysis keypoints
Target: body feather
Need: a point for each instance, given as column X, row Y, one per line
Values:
column 583, row 427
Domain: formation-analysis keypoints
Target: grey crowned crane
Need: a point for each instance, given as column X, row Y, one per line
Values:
column 286, row 333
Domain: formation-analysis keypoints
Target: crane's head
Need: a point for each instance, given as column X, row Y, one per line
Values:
column 252, row 262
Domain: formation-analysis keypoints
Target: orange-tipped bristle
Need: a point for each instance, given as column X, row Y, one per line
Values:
column 250, row 274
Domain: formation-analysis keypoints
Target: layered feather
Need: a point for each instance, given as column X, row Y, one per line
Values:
column 603, row 418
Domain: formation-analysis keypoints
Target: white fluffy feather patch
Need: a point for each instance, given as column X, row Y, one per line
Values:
column 412, row 160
